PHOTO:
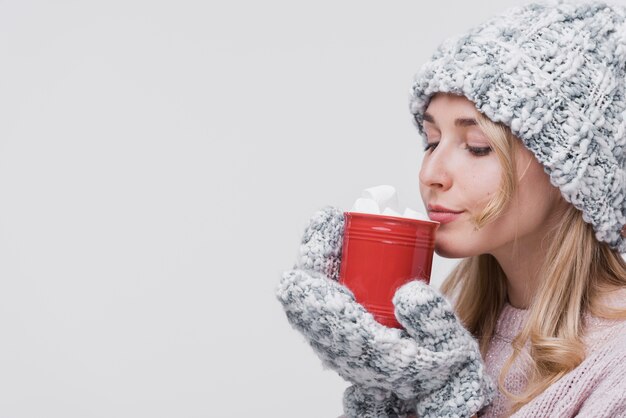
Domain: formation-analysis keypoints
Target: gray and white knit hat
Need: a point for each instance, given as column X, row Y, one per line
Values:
column 555, row 73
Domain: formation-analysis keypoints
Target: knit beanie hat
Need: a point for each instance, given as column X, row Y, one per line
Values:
column 555, row 73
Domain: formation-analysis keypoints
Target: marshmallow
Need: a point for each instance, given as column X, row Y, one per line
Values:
column 383, row 200
column 410, row 213
column 391, row 212
column 384, row 195
column 364, row 205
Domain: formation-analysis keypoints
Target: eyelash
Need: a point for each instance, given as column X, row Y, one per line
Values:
column 477, row 152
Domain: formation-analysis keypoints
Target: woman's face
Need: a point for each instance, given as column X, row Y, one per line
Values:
column 461, row 172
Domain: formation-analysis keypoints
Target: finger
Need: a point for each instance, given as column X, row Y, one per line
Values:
column 428, row 317
column 320, row 249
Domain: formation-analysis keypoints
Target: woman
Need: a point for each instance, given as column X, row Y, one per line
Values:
column 524, row 125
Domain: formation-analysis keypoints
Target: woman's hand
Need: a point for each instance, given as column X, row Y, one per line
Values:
column 433, row 362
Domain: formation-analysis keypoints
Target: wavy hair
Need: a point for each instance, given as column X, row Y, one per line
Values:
column 577, row 270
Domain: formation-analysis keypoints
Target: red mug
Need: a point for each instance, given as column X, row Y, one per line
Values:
column 379, row 254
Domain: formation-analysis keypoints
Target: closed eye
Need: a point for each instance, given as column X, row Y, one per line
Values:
column 479, row 151
column 430, row 145
column 476, row 151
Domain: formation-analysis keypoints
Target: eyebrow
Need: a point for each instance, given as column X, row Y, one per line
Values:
column 457, row 122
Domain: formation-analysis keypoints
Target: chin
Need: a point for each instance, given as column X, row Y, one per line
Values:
column 449, row 251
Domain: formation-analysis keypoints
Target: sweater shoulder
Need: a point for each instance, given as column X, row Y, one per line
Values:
column 605, row 388
column 595, row 388
column 598, row 331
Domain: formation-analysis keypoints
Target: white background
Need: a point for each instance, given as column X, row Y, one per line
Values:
column 158, row 164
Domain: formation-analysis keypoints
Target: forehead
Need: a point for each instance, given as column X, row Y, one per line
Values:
column 446, row 103
column 446, row 108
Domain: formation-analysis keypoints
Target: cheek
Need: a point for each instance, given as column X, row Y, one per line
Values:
column 480, row 185
column 475, row 187
column 535, row 197
column 529, row 209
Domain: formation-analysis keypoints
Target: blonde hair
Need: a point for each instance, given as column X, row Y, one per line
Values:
column 576, row 271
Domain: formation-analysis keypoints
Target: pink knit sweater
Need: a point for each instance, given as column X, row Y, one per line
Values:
column 596, row 388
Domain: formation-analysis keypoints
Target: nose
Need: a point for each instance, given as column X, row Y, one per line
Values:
column 435, row 170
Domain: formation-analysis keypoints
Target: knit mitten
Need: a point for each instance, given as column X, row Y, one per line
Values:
column 429, row 319
column 433, row 358
column 361, row 402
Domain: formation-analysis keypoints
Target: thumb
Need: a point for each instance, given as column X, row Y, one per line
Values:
column 320, row 249
column 428, row 317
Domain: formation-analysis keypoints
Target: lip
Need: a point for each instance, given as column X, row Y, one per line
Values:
column 442, row 214
column 437, row 208
column 443, row 217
